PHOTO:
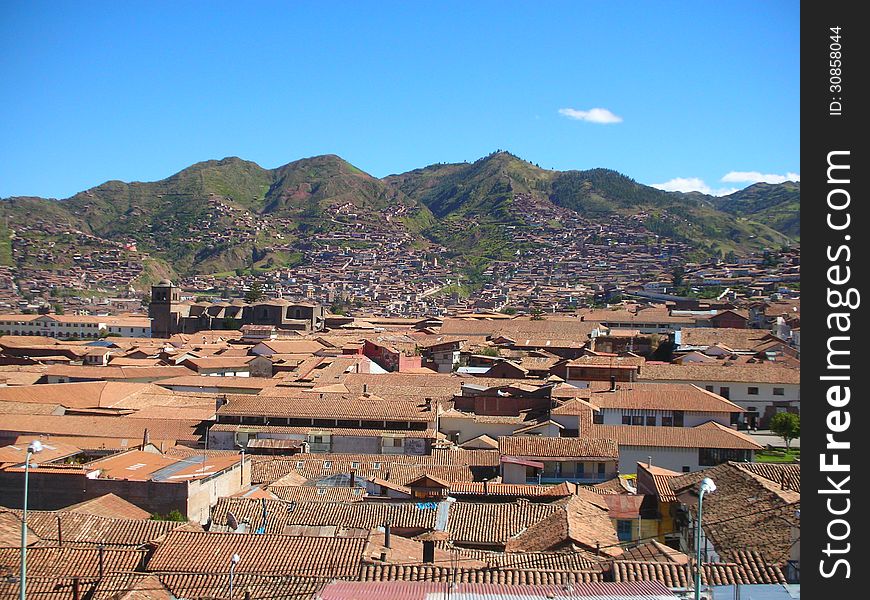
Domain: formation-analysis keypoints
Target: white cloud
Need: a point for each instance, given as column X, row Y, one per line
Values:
column 683, row 184
column 692, row 184
column 593, row 115
column 756, row 177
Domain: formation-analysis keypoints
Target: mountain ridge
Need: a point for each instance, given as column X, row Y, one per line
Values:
column 231, row 213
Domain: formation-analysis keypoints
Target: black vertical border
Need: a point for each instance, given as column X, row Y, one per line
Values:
column 822, row 133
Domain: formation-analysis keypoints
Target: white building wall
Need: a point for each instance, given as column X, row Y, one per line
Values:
column 674, row 459
column 469, row 429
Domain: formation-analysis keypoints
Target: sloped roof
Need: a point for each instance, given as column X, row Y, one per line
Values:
column 312, row 556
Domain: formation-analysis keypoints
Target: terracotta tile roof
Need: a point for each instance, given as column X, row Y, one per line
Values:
column 131, row 586
column 301, row 493
column 766, row 511
column 542, row 447
column 364, row 515
column 616, row 485
column 10, row 531
column 707, row 435
column 130, row 428
column 253, row 383
column 654, row 551
column 458, row 456
column 680, row 576
column 89, row 394
column 334, row 431
column 782, row 475
column 218, row 362
column 660, row 479
column 405, row 473
column 115, row 373
column 494, row 523
column 661, row 396
column 68, row 561
column 293, row 346
column 557, row 330
column 745, row 373
column 191, row 552
column 608, row 361
column 29, row 408
column 250, row 510
column 47, row 587
column 79, row 528
column 276, row 402
column 111, row 506
column 478, row 488
column 51, row 450
column 736, row 339
column 210, row 585
column 578, row 522
column 436, row 573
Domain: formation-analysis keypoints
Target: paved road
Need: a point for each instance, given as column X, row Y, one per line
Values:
column 765, row 437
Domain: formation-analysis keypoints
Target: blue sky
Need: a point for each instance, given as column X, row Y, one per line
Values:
column 680, row 94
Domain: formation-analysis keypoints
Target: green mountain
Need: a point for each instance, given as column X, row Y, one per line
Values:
column 779, row 206
column 482, row 196
column 221, row 215
column 227, row 214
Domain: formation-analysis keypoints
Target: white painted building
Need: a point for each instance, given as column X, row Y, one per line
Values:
column 75, row 326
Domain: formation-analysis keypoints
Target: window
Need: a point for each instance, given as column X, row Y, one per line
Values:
column 376, row 466
column 601, row 469
column 626, row 419
column 778, row 391
column 686, row 469
column 753, row 391
column 709, row 388
column 725, row 392
column 637, row 420
column 581, row 468
column 327, row 464
column 354, row 465
column 623, row 530
column 678, row 418
column 300, row 464
column 667, row 421
column 598, row 418
column 651, row 420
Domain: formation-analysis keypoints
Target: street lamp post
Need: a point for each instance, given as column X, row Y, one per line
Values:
column 707, row 486
column 233, row 562
column 34, row 447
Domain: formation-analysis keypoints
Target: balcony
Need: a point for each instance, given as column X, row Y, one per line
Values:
column 321, row 447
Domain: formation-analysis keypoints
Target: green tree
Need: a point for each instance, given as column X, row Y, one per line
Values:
column 174, row 515
column 786, row 425
column 255, row 293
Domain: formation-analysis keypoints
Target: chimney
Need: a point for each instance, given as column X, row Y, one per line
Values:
column 352, row 478
column 146, row 438
column 365, row 388
column 486, row 487
column 428, row 403
column 613, row 383
column 59, row 534
column 428, row 551
column 648, row 462
column 387, row 540
column 76, row 589
column 102, row 561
